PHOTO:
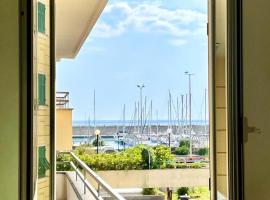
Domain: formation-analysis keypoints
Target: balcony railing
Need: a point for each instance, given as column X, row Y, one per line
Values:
column 62, row 99
column 82, row 170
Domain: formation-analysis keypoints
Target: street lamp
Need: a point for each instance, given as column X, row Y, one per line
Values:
column 169, row 131
column 97, row 133
column 141, row 86
column 189, row 81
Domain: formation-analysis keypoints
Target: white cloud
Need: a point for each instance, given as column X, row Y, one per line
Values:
column 150, row 18
column 178, row 42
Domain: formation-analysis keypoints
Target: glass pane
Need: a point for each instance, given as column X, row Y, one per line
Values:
column 256, row 71
column 41, row 116
column 220, row 131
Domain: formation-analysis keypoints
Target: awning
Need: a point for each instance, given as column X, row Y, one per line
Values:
column 74, row 20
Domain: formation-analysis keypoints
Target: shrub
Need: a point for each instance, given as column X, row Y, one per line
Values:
column 101, row 142
column 185, row 143
column 146, row 154
column 63, row 162
column 163, row 156
column 182, row 191
column 183, row 150
column 203, row 151
column 149, row 191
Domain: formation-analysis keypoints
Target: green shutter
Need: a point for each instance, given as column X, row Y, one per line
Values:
column 41, row 17
column 41, row 89
column 43, row 163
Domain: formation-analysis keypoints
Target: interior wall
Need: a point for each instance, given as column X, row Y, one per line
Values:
column 9, row 101
column 256, row 70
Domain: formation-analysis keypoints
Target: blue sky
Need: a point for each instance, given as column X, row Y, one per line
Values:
column 136, row 41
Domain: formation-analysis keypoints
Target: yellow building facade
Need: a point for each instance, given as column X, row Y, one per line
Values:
column 64, row 129
column 42, row 106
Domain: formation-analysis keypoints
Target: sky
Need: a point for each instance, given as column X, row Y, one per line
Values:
column 136, row 41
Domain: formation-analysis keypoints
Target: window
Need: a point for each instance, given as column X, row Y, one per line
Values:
column 41, row 17
column 41, row 89
column 43, row 163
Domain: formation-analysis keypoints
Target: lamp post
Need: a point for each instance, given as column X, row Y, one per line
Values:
column 97, row 132
column 189, row 81
column 141, row 86
column 169, row 131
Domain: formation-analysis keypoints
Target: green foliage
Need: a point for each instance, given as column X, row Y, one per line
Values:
column 63, row 162
column 203, row 151
column 182, row 191
column 190, row 165
column 101, row 142
column 149, row 191
column 148, row 153
column 185, row 143
column 183, row 150
column 163, row 156
column 135, row 158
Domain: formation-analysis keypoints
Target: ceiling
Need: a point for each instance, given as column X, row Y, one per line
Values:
column 74, row 20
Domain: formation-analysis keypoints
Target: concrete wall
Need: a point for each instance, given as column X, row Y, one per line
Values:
column 64, row 189
column 63, row 129
column 155, row 178
column 256, row 49
column 9, row 101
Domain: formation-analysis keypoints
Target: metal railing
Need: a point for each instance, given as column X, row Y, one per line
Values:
column 100, row 182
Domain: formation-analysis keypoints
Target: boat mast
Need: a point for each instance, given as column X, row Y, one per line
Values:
column 94, row 111
column 182, row 112
column 124, row 118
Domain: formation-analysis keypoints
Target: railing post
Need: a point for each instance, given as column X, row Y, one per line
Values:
column 84, row 184
column 76, row 173
column 98, row 189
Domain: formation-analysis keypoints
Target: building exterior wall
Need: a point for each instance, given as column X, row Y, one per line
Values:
column 63, row 129
column 42, row 125
column 10, row 100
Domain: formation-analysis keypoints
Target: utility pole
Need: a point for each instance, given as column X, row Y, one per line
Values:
column 186, row 118
column 190, row 125
column 94, row 119
column 151, row 113
column 182, row 112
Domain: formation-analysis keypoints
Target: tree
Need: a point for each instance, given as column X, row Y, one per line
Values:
column 184, row 143
column 183, row 150
column 146, row 154
column 203, row 151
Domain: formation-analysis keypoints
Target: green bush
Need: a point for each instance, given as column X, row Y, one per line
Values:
column 163, row 156
column 131, row 158
column 146, row 154
column 149, row 191
column 63, row 162
column 182, row 191
column 203, row 151
column 185, row 143
column 183, row 150
column 101, row 142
